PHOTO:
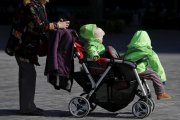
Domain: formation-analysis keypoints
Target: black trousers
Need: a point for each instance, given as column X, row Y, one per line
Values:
column 27, row 83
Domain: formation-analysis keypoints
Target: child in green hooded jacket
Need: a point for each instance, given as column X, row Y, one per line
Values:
column 139, row 47
column 94, row 37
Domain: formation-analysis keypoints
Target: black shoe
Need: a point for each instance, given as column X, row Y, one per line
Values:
column 40, row 109
column 37, row 112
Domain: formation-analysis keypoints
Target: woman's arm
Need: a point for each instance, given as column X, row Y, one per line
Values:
column 34, row 21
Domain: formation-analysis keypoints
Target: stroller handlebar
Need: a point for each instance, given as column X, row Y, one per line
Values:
column 74, row 33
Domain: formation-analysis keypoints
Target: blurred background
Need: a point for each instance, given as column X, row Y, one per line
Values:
column 112, row 15
column 120, row 19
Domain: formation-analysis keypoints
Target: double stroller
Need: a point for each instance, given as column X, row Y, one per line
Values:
column 111, row 83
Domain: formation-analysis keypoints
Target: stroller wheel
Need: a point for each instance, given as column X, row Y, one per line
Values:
column 92, row 105
column 150, row 106
column 152, row 103
column 141, row 109
column 79, row 106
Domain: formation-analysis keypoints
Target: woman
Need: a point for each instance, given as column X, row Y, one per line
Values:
column 29, row 26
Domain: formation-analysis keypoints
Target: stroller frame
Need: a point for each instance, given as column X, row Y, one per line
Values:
column 112, row 61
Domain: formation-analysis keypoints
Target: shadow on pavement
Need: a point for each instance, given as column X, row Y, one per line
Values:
column 59, row 113
column 7, row 112
column 111, row 115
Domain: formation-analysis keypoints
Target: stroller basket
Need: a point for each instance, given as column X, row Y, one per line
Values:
column 113, row 99
column 107, row 95
column 82, row 79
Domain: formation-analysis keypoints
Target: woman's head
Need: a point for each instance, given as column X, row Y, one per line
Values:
column 43, row 2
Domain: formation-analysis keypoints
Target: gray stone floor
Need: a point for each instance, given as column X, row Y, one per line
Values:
column 55, row 102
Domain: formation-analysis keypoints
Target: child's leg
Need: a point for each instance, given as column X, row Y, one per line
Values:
column 158, row 86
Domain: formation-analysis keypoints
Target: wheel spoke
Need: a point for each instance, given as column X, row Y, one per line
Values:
column 75, row 102
column 76, row 112
column 138, row 106
column 138, row 113
column 85, row 107
column 144, row 110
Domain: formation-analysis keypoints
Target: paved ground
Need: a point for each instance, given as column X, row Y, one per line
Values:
column 55, row 103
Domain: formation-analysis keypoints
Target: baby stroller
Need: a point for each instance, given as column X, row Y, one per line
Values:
column 110, row 83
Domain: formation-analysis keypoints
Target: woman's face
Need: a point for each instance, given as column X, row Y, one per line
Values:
column 43, row 2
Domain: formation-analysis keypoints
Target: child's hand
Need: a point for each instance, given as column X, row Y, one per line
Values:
column 95, row 58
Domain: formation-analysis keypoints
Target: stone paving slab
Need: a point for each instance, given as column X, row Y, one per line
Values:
column 55, row 102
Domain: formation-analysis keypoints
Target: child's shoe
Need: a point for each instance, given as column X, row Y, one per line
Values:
column 163, row 96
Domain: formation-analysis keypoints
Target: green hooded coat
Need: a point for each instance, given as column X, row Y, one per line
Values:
column 139, row 47
column 93, row 47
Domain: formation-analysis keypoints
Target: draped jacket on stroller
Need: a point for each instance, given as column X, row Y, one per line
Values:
column 93, row 47
column 139, row 47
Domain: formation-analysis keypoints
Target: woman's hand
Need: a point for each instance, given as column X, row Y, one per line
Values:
column 63, row 24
